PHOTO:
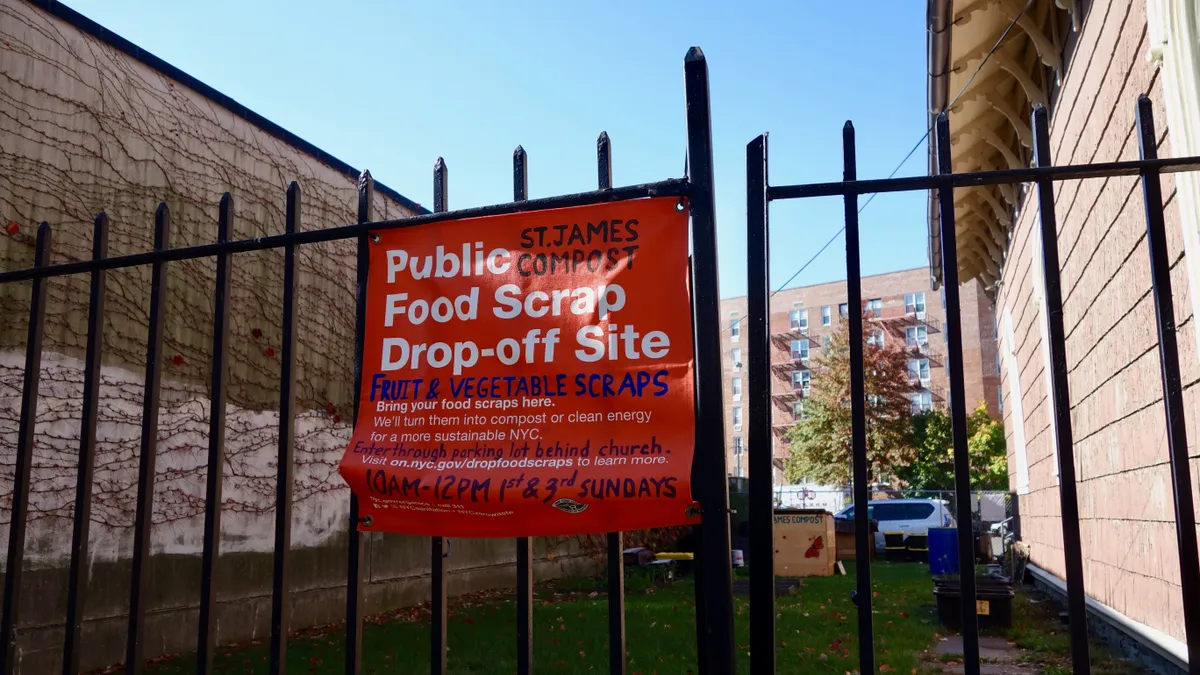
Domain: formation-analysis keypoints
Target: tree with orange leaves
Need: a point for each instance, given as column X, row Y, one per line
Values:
column 820, row 441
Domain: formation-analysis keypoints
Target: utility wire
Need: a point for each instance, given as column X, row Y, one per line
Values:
column 924, row 137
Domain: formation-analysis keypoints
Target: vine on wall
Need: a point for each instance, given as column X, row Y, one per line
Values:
column 83, row 129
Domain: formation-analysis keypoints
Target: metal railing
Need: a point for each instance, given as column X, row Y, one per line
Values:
column 1043, row 174
column 714, row 599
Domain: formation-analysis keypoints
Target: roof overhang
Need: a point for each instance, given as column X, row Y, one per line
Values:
column 990, row 62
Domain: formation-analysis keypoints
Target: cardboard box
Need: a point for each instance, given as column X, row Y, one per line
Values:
column 805, row 545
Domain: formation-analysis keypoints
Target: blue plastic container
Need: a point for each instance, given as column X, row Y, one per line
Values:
column 943, row 550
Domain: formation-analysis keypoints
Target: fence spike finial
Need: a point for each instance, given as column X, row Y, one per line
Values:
column 604, row 161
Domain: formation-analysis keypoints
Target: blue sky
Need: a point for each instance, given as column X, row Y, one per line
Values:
column 390, row 86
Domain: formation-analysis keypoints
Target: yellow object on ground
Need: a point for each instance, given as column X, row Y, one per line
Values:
column 674, row 556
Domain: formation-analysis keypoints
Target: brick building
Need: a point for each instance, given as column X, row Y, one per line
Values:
column 905, row 309
column 1087, row 61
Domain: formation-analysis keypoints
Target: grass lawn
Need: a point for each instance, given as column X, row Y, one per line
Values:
column 1046, row 642
column 816, row 628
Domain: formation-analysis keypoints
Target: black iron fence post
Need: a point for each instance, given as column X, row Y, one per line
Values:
column 614, row 547
column 1168, row 354
column 139, row 587
column 438, row 545
column 78, row 579
column 712, row 487
column 1060, row 399
column 758, row 336
column 24, row 459
column 696, row 530
column 524, row 544
column 354, row 580
column 206, row 641
column 958, row 409
column 864, row 540
column 281, row 604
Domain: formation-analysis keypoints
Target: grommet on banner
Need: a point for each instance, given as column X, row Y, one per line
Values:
column 375, row 238
column 366, row 521
column 692, row 510
column 680, row 205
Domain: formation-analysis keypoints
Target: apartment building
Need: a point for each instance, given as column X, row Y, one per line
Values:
column 904, row 310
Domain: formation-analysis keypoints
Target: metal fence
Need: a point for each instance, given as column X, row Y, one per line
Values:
column 1044, row 175
column 714, row 600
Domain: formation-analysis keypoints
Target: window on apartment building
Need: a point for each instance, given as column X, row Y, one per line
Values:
column 736, row 357
column 799, row 351
column 737, row 418
column 920, row 402
column 998, row 363
column 826, row 341
column 916, row 337
column 875, row 306
column 826, row 315
column 737, row 445
column 797, row 410
column 737, row 389
column 798, row 319
column 875, row 337
column 735, row 330
column 800, row 381
column 843, row 310
column 918, row 371
column 1000, row 398
column 914, row 303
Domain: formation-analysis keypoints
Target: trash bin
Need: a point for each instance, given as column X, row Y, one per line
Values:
column 917, row 546
column 993, row 602
column 943, row 551
column 893, row 546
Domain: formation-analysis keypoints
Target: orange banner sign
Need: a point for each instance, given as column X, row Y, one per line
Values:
column 528, row 374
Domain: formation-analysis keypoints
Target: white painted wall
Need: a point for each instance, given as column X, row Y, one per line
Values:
column 321, row 499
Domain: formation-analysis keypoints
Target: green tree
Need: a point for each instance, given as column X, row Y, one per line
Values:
column 820, row 442
column 933, row 466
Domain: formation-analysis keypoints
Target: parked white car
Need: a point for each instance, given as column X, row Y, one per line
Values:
column 910, row 516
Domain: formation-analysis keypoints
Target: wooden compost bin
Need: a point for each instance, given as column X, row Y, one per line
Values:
column 804, row 543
